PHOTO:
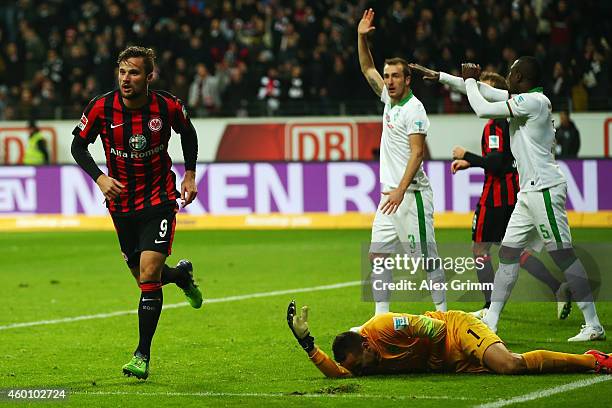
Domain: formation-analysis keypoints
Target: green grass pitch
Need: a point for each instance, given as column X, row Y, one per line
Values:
column 239, row 351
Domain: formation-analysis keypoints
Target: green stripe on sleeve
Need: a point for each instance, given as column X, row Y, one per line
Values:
column 551, row 215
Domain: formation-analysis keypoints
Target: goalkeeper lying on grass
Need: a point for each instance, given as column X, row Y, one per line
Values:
column 453, row 341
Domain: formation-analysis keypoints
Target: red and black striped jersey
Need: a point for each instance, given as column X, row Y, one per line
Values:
column 135, row 142
column 501, row 181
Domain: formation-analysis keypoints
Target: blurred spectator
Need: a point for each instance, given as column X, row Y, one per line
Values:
column 36, row 152
column 596, row 78
column 205, row 90
column 558, row 87
column 235, row 99
column 270, row 91
column 567, row 137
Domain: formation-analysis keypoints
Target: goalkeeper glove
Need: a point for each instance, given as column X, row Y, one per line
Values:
column 299, row 326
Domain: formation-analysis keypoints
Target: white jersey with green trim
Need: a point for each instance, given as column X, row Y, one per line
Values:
column 532, row 138
column 400, row 120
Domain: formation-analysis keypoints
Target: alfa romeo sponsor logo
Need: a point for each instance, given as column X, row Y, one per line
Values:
column 138, row 142
column 155, row 124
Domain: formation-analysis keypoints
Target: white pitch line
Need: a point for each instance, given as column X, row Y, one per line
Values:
column 546, row 392
column 271, row 395
column 182, row 304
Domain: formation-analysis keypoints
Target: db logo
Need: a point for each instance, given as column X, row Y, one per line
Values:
column 320, row 141
column 14, row 141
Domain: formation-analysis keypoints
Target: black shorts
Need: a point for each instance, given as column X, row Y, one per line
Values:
column 489, row 223
column 148, row 230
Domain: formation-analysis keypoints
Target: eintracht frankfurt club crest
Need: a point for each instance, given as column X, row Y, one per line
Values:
column 155, row 124
column 138, row 142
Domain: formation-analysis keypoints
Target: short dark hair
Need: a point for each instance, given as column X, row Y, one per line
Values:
column 497, row 80
column 148, row 54
column 402, row 62
column 346, row 343
column 529, row 67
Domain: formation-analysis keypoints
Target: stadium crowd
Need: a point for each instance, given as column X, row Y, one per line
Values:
column 277, row 57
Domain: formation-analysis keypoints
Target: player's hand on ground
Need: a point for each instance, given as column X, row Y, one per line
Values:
column 299, row 326
column 189, row 189
column 459, row 165
column 428, row 74
column 110, row 187
column 365, row 24
column 470, row 70
column 394, row 199
column 458, row 152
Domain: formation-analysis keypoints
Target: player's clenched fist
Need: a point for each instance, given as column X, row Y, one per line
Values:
column 299, row 326
column 110, row 187
column 470, row 70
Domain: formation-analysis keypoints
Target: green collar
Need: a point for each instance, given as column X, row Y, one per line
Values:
column 536, row 89
column 403, row 101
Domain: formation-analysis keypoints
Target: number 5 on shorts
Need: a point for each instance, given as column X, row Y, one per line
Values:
column 544, row 231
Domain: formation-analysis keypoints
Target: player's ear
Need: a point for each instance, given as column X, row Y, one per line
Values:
column 150, row 77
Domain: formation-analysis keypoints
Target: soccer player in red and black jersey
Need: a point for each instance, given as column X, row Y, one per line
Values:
column 497, row 202
column 134, row 124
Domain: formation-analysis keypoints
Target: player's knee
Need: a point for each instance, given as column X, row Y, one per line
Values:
column 150, row 272
column 374, row 256
column 510, row 254
column 480, row 249
column 563, row 258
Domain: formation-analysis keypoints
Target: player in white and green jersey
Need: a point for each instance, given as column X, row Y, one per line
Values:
column 404, row 218
column 540, row 210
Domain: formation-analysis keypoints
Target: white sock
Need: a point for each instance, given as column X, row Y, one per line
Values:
column 581, row 291
column 381, row 296
column 381, row 307
column 590, row 314
column 504, row 281
column 438, row 296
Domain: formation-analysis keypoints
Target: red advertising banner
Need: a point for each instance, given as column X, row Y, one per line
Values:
column 300, row 141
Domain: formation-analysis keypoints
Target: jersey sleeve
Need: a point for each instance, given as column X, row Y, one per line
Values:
column 88, row 127
column 181, row 123
column 384, row 95
column 418, row 123
column 524, row 105
column 490, row 93
column 328, row 366
column 482, row 107
column 180, row 120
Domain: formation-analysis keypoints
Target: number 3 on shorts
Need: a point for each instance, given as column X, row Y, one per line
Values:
column 163, row 228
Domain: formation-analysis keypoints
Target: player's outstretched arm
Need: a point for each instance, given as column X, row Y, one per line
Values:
column 428, row 74
column 365, row 57
column 456, row 83
column 483, row 108
column 300, row 330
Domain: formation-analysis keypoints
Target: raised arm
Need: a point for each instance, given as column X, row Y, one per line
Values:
column 365, row 57
column 301, row 332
